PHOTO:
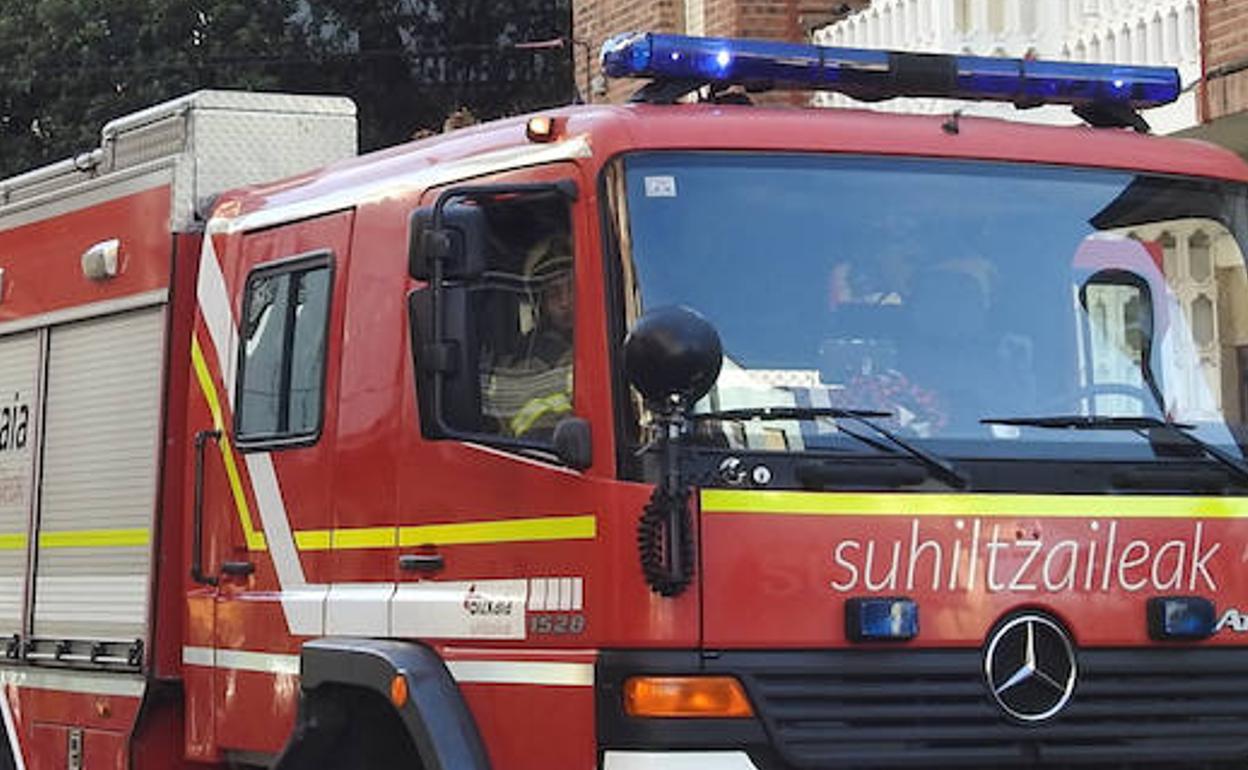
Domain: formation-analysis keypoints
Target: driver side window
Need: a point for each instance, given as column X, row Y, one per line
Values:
column 526, row 303
column 501, row 364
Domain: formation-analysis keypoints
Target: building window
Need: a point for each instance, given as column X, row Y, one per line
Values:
column 1200, row 264
column 1169, row 255
column 282, row 357
column 1203, row 331
column 1141, row 43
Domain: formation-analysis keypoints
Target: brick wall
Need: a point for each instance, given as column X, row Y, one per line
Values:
column 1226, row 49
column 593, row 21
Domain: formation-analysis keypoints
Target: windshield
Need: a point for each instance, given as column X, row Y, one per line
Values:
column 946, row 294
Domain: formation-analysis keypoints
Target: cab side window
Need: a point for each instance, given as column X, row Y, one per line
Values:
column 525, row 302
column 282, row 352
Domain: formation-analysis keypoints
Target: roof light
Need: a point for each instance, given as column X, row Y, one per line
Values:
column 540, row 128
column 706, row 697
column 872, row 75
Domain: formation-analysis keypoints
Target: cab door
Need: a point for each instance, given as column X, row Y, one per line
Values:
column 497, row 536
column 270, row 544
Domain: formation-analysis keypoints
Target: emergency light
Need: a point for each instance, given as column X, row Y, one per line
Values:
column 881, row 619
column 875, row 75
column 1180, row 617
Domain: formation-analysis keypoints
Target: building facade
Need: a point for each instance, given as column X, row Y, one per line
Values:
column 1147, row 32
column 1223, row 95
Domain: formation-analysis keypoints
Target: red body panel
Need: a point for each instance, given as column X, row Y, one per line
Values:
column 44, row 718
column 778, row 581
column 765, row 580
column 43, row 268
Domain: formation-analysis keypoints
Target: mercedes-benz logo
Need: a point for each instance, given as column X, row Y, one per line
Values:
column 1030, row 667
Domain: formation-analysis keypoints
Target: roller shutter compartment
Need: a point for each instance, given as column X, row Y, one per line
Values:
column 99, row 478
column 19, row 378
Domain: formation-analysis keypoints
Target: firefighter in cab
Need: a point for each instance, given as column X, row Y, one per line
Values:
column 530, row 388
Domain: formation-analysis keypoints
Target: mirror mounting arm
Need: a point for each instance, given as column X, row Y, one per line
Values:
column 665, row 531
column 672, row 356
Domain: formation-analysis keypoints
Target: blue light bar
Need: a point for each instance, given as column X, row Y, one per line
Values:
column 875, row 75
column 883, row 619
column 1173, row 618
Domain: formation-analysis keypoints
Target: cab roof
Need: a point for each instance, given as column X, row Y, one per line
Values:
column 602, row 132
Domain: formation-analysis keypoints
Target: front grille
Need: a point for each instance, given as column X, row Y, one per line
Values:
column 1171, row 707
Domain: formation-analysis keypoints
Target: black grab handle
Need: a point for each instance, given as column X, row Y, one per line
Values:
column 197, row 557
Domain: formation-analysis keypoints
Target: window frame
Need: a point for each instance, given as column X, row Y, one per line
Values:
column 430, row 427
column 295, row 264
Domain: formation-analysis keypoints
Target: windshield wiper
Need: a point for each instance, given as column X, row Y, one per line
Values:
column 936, row 465
column 1112, row 422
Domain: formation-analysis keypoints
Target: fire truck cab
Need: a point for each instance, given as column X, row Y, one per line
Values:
column 664, row 435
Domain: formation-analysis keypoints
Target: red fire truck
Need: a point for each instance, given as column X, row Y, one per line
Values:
column 677, row 434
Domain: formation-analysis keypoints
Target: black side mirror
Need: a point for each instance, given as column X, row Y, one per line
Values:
column 673, row 354
column 460, row 242
column 454, row 359
column 573, row 444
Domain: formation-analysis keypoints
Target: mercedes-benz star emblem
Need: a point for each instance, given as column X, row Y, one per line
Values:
column 1030, row 667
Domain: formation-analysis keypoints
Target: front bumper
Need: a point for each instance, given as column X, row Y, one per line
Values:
column 677, row 760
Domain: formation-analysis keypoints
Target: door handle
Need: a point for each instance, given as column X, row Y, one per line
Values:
column 238, row 568
column 421, row 562
column 197, row 527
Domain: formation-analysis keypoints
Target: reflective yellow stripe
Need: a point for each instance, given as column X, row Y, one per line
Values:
column 509, row 531
column 533, row 410
column 365, row 537
column 464, row 533
column 254, row 539
column 984, row 505
column 95, row 538
column 312, row 540
column 13, row 542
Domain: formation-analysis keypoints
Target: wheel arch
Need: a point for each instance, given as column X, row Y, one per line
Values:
column 434, row 715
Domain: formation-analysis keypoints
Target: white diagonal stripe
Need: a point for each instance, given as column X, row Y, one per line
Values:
column 10, row 729
column 214, row 306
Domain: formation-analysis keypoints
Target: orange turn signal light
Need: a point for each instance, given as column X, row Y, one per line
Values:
column 398, row 691
column 686, row 697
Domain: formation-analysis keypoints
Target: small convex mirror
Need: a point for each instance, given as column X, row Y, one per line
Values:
column 460, row 242
column 673, row 353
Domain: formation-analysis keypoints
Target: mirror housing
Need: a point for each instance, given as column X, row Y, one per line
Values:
column 673, row 353
column 573, row 445
column 460, row 242
column 454, row 358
